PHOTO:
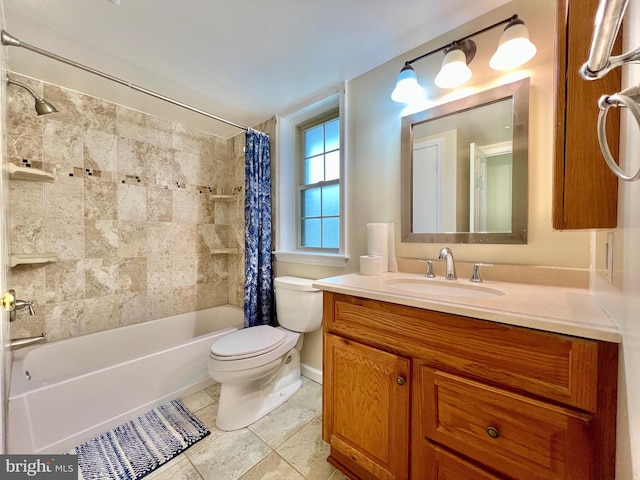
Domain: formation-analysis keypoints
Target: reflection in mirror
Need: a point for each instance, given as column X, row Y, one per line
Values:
column 464, row 169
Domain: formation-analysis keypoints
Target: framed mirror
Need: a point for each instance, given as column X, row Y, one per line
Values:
column 465, row 168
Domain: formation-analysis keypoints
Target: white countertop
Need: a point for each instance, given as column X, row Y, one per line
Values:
column 569, row 311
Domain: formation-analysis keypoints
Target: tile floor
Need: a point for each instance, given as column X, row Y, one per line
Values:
column 284, row 445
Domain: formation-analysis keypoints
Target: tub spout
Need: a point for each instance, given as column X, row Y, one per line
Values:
column 17, row 343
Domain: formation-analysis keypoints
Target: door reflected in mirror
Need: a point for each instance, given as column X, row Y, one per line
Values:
column 464, row 169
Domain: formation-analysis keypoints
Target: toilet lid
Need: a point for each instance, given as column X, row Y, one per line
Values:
column 248, row 342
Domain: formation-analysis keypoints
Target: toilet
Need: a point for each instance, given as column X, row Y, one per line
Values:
column 259, row 367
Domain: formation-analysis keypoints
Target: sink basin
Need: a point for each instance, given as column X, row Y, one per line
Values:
column 434, row 288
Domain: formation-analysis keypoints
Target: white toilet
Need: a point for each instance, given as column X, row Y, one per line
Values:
column 259, row 367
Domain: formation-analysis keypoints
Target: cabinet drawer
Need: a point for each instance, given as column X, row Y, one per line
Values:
column 558, row 367
column 509, row 433
column 436, row 463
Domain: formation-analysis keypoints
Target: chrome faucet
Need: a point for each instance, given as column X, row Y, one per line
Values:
column 447, row 254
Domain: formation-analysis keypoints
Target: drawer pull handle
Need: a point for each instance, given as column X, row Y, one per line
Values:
column 400, row 380
column 493, row 432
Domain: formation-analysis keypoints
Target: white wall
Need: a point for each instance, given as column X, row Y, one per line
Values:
column 621, row 298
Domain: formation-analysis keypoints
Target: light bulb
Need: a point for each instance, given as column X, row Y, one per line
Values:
column 454, row 71
column 514, row 48
column 407, row 89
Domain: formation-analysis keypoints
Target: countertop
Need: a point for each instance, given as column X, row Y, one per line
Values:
column 569, row 311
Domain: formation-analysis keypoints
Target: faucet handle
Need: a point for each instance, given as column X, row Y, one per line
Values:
column 20, row 304
column 475, row 276
column 430, row 273
column 25, row 303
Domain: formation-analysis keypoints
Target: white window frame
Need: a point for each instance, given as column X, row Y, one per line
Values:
column 287, row 192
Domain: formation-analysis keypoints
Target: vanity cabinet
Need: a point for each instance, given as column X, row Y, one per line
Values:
column 416, row 394
column 585, row 191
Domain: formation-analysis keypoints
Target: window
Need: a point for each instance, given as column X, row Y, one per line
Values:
column 310, row 201
column 319, row 187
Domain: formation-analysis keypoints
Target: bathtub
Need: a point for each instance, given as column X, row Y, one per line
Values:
column 67, row 392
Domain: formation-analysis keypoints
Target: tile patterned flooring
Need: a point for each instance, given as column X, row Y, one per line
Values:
column 284, row 445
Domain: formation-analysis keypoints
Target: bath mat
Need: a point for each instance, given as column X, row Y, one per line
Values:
column 136, row 448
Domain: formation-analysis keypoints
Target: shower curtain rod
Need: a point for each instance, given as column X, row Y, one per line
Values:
column 9, row 40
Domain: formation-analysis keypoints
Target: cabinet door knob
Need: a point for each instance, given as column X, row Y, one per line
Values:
column 400, row 380
column 493, row 432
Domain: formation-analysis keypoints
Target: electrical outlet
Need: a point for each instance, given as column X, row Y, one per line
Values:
column 608, row 267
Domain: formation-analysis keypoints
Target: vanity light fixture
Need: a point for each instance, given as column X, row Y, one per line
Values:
column 514, row 49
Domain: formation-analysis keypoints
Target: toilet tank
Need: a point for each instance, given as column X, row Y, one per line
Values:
column 298, row 304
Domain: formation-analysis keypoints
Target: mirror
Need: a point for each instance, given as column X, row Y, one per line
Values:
column 464, row 169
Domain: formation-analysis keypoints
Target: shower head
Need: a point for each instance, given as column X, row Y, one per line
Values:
column 42, row 106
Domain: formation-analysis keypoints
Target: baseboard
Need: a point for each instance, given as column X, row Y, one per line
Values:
column 311, row 373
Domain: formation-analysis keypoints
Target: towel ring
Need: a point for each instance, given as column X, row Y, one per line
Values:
column 605, row 103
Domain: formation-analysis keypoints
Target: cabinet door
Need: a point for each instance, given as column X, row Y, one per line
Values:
column 366, row 408
column 585, row 192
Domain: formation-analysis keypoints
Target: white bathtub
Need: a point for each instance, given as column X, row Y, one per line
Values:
column 67, row 392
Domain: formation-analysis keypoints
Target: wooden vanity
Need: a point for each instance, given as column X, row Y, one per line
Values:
column 415, row 393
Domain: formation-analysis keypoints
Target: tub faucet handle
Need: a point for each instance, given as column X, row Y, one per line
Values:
column 19, row 305
column 25, row 303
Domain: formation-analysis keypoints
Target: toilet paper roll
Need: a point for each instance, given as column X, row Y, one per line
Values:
column 371, row 265
column 378, row 242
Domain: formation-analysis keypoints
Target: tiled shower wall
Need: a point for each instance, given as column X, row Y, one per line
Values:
column 131, row 214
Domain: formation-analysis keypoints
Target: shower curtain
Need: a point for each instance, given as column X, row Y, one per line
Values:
column 258, row 285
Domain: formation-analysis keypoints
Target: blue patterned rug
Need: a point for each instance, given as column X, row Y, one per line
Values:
column 136, row 448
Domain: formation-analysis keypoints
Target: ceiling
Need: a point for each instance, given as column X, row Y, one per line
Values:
column 244, row 60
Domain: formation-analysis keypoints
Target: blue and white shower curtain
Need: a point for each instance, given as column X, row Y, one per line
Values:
column 258, row 285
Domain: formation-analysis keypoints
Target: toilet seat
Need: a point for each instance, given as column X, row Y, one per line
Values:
column 248, row 343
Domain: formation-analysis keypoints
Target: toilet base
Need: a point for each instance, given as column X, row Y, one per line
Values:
column 241, row 405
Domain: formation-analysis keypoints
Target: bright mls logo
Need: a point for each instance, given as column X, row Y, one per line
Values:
column 45, row 467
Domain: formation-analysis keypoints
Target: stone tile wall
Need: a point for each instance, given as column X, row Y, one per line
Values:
column 131, row 214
